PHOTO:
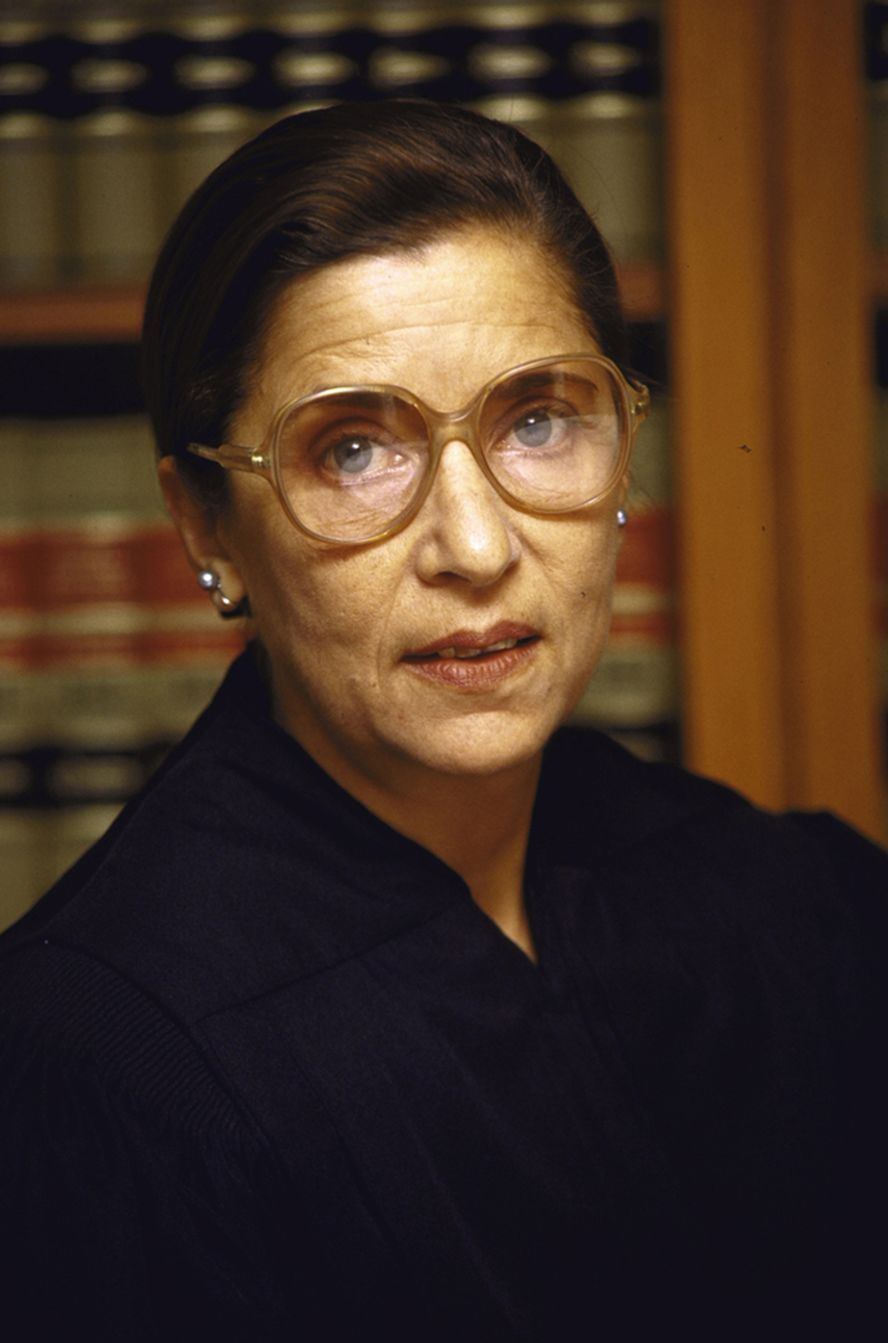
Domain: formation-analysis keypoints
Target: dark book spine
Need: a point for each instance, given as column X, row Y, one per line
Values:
column 31, row 188
column 876, row 66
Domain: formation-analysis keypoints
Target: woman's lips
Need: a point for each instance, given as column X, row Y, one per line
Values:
column 475, row 660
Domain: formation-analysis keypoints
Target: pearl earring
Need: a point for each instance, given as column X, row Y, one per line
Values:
column 211, row 583
column 622, row 517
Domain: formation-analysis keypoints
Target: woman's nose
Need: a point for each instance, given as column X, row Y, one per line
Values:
column 468, row 530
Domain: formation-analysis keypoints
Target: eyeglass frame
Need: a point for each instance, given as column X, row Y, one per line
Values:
column 264, row 461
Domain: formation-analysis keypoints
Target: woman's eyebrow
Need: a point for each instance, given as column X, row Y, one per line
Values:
column 532, row 381
column 356, row 388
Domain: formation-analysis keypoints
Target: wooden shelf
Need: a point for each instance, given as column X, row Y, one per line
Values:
column 77, row 315
column 72, row 315
column 98, row 313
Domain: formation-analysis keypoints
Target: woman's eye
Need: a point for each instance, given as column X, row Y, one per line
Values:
column 539, row 427
column 534, row 429
column 357, row 453
column 352, row 455
column 366, row 454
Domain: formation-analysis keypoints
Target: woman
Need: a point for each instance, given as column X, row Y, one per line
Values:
column 381, row 1013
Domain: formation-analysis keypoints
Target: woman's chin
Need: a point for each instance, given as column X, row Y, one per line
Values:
column 479, row 745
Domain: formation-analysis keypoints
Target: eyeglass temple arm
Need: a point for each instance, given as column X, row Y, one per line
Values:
column 232, row 457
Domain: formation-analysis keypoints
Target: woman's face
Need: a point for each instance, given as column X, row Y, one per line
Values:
column 348, row 630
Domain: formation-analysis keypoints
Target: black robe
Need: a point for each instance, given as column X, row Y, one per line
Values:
column 268, row 1072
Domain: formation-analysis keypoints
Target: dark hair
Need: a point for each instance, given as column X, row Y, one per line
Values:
column 320, row 186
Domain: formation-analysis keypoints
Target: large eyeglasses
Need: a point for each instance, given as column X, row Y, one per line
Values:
column 354, row 464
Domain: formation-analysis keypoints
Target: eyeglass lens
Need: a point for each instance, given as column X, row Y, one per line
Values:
column 350, row 463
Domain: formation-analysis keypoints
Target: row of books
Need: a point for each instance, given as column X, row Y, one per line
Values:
column 90, row 568
column 159, row 57
column 106, row 126
column 108, row 651
column 107, row 123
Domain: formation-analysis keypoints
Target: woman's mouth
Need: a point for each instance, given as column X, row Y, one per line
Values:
column 454, row 652
column 467, row 660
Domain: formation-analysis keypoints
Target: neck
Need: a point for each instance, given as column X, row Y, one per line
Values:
column 478, row 825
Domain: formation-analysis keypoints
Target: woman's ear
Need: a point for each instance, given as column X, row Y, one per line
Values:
column 198, row 526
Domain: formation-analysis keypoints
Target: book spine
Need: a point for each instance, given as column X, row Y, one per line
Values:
column 609, row 123
column 30, row 183
column 321, row 58
column 110, row 153
column 207, row 103
column 513, row 63
column 88, row 618
column 592, row 73
column 411, row 55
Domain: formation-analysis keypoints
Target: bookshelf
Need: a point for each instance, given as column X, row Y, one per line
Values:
column 100, row 313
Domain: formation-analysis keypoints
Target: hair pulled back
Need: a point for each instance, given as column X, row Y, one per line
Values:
column 321, row 186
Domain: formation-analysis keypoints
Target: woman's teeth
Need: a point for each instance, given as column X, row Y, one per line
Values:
column 476, row 652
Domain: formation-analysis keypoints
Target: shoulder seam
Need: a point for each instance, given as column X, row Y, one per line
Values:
column 104, row 1025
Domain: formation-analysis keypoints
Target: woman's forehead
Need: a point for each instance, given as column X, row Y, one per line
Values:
column 441, row 321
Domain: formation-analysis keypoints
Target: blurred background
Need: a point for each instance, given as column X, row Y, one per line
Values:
column 736, row 159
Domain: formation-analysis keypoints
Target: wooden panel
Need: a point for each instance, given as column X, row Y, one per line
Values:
column 823, row 409
column 719, row 305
